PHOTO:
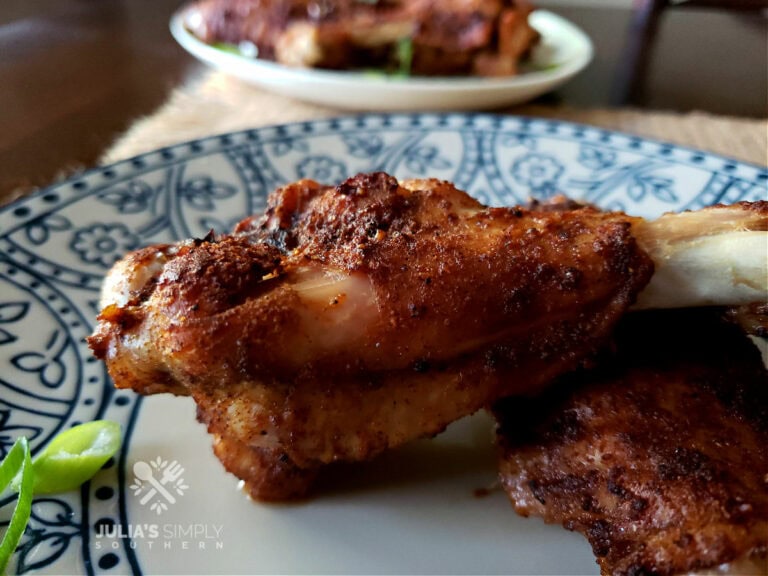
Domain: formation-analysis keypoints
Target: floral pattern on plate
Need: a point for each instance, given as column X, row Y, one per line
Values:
column 56, row 246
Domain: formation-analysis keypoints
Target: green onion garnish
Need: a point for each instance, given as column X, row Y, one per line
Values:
column 225, row 47
column 75, row 455
column 404, row 51
column 16, row 463
column 69, row 460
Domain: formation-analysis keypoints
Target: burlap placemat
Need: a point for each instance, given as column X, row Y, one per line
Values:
column 215, row 103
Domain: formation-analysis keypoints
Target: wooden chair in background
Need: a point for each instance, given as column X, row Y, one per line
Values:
column 647, row 14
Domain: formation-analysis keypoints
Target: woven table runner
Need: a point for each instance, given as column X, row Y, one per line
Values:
column 215, row 103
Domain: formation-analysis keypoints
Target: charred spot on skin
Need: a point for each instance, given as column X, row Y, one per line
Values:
column 421, row 366
column 638, row 506
column 547, row 273
column 614, row 486
column 575, row 484
column 516, row 299
column 684, row 462
column 537, row 490
column 375, row 230
column 374, row 383
column 565, row 427
column 625, row 438
column 588, row 504
column 491, row 358
column 616, row 489
column 639, row 570
column 571, row 278
column 415, row 310
column 684, row 541
column 500, row 355
column 599, row 535
column 365, row 184
column 338, row 299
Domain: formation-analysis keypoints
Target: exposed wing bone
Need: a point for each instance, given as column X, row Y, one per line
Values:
column 715, row 256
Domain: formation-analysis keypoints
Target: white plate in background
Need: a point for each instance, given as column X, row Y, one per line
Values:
column 563, row 52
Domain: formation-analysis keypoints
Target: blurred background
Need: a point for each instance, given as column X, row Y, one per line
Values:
column 76, row 73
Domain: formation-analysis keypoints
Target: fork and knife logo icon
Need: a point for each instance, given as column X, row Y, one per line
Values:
column 158, row 478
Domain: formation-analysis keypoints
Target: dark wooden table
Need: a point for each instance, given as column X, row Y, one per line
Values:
column 75, row 73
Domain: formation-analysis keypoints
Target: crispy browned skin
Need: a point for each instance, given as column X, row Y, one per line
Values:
column 352, row 319
column 659, row 457
column 446, row 37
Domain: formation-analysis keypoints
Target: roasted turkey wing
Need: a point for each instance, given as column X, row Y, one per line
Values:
column 659, row 455
column 347, row 320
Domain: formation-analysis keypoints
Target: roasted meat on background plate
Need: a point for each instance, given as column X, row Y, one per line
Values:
column 351, row 319
column 420, row 37
column 659, row 455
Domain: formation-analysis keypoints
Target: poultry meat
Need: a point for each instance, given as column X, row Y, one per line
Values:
column 347, row 320
column 420, row 37
column 351, row 319
column 659, row 455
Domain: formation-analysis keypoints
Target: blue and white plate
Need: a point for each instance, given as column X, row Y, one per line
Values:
column 412, row 511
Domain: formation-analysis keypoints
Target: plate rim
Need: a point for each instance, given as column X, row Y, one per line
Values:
column 150, row 159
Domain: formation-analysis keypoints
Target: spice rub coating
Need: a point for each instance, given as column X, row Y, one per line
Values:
column 350, row 319
column 659, row 456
